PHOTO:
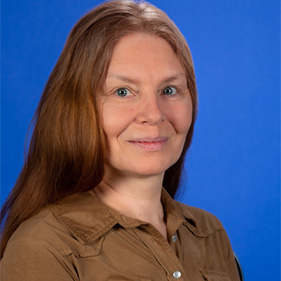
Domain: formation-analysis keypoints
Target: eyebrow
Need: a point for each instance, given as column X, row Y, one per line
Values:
column 136, row 81
column 122, row 78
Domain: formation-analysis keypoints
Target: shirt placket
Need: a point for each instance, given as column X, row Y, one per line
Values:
column 163, row 252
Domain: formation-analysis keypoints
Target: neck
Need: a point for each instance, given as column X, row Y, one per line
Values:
column 136, row 197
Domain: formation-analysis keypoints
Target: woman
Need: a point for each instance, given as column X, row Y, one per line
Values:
column 112, row 127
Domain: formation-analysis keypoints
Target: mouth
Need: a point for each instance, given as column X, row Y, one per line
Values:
column 151, row 144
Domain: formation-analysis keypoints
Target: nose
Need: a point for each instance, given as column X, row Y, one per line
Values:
column 150, row 110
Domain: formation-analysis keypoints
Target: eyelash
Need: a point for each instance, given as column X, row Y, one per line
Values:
column 117, row 92
column 170, row 87
column 122, row 89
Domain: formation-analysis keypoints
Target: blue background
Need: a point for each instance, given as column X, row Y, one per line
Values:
column 233, row 166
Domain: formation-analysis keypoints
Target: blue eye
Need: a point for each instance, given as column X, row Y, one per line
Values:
column 169, row 91
column 122, row 92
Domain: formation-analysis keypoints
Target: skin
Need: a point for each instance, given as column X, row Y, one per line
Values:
column 146, row 113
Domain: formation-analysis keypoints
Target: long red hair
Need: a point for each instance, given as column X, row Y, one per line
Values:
column 67, row 150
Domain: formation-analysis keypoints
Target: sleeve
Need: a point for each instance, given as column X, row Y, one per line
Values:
column 31, row 259
column 233, row 269
column 234, row 272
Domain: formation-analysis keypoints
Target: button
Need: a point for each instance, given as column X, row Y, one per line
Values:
column 174, row 238
column 177, row 275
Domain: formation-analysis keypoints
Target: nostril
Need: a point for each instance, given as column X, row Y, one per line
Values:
column 151, row 113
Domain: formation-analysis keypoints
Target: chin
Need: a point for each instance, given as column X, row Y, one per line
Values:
column 148, row 173
column 151, row 169
column 141, row 166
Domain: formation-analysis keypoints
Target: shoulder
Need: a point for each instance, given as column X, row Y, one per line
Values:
column 44, row 229
column 199, row 221
column 50, row 231
column 65, row 228
column 38, row 250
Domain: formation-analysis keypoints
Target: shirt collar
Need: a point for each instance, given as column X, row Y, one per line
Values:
column 87, row 218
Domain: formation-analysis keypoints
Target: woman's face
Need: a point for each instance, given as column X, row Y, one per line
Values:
column 146, row 109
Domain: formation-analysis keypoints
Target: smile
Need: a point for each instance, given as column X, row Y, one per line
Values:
column 149, row 143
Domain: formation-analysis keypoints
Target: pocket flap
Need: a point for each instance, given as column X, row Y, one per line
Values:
column 214, row 275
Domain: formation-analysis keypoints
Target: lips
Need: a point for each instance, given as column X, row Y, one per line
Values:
column 151, row 144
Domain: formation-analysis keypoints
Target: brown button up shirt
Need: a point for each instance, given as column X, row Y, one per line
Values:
column 83, row 239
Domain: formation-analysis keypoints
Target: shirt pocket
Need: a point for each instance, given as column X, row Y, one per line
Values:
column 214, row 275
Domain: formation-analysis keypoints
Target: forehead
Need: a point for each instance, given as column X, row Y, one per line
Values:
column 141, row 54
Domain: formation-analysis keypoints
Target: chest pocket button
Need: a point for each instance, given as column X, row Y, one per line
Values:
column 177, row 274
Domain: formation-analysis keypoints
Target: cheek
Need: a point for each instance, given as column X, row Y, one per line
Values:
column 181, row 117
column 115, row 120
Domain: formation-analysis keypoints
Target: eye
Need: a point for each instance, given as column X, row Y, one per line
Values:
column 169, row 91
column 122, row 92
